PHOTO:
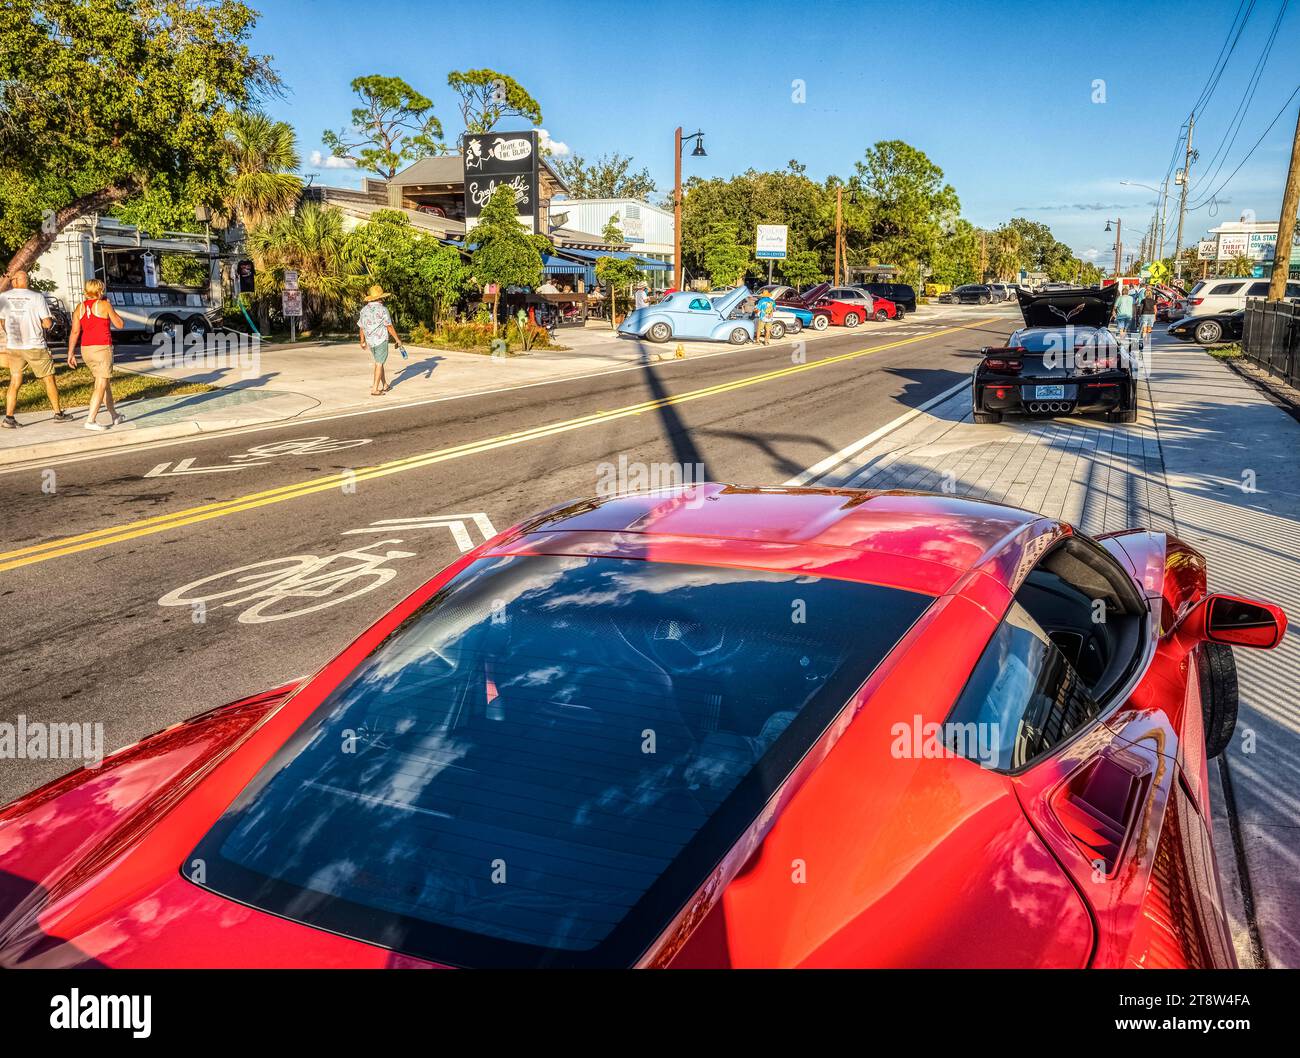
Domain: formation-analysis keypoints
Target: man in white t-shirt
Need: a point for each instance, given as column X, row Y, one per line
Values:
column 25, row 316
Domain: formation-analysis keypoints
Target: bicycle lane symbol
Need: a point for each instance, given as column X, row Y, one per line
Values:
column 280, row 589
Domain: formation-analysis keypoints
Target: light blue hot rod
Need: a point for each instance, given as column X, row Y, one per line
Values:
column 687, row 314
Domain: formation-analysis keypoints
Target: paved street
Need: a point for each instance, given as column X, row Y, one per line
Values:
column 93, row 643
column 166, row 578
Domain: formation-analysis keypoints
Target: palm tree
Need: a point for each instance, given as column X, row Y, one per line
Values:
column 311, row 242
column 261, row 156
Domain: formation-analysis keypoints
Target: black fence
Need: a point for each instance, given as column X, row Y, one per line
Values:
column 1271, row 338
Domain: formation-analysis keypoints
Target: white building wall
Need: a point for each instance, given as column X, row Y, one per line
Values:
column 646, row 228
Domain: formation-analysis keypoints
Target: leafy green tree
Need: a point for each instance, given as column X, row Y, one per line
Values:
column 616, row 273
column 394, row 126
column 612, row 232
column 724, row 259
column 607, row 176
column 105, row 103
column 802, row 268
column 956, row 258
column 310, row 242
column 487, row 96
column 505, row 253
column 905, row 205
column 752, row 198
column 424, row 277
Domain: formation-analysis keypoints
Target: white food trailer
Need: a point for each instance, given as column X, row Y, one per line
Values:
column 166, row 283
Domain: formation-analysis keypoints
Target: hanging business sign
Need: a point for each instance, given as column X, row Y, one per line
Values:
column 496, row 159
column 1206, row 249
column 770, row 241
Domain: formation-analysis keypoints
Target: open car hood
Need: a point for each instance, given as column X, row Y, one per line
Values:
column 1078, row 306
column 807, row 299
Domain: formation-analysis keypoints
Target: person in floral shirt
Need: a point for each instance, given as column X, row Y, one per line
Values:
column 376, row 327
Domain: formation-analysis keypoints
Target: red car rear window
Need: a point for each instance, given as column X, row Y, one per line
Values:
column 543, row 764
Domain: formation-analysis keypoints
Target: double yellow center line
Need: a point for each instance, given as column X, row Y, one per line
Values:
column 71, row 545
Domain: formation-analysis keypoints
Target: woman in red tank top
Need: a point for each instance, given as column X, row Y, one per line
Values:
column 91, row 324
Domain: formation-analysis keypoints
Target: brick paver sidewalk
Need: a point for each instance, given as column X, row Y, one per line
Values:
column 1202, row 434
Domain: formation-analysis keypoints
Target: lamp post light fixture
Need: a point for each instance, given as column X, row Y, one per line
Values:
column 1119, row 227
column 679, row 141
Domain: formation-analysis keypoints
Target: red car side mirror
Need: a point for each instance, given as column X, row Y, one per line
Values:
column 1237, row 621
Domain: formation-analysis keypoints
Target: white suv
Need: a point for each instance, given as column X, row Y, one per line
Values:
column 1228, row 295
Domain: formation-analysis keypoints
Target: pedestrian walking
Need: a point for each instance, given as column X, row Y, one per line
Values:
column 763, row 310
column 1124, row 311
column 376, row 327
column 1147, row 313
column 25, row 315
column 92, row 325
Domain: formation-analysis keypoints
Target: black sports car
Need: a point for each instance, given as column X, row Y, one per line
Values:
column 1063, row 360
column 1211, row 329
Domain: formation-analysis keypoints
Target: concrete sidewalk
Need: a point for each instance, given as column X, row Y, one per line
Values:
column 1180, row 468
column 306, row 379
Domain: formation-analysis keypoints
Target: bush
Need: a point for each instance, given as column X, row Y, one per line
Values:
column 475, row 336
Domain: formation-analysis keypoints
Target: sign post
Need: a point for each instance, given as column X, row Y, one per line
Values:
column 770, row 244
column 291, row 303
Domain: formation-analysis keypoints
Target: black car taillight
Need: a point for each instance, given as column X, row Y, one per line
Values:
column 1010, row 367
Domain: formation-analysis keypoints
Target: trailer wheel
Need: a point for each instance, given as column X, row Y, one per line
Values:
column 199, row 325
column 168, row 325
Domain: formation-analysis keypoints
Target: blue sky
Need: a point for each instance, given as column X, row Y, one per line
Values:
column 999, row 95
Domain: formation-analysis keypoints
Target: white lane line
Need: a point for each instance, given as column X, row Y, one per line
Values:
column 828, row 464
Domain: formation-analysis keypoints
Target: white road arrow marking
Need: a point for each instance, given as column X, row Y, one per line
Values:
column 186, row 466
column 454, row 522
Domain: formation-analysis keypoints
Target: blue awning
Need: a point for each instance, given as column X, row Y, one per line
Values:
column 647, row 264
column 558, row 266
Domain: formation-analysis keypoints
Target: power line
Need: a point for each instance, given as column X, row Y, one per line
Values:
column 1266, row 131
column 1221, row 63
column 1238, row 118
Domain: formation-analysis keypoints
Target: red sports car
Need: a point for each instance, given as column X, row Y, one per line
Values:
column 855, row 308
column 748, row 727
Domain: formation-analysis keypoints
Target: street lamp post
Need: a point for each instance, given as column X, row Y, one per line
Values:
column 1163, row 192
column 1119, row 225
column 698, row 152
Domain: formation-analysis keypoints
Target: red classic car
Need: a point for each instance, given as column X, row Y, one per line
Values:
column 715, row 727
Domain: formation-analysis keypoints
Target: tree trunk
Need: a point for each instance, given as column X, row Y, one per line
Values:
column 26, row 256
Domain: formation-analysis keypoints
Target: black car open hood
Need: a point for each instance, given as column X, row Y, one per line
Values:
column 1078, row 307
column 807, row 299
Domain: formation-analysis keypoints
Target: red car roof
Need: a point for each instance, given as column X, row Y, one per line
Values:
column 914, row 540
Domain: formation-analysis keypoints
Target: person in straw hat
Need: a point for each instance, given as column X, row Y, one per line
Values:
column 376, row 327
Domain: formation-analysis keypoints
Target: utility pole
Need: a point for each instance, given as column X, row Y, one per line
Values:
column 1164, row 207
column 677, row 210
column 1182, row 198
column 839, row 231
column 1286, row 223
column 1119, row 227
column 984, row 255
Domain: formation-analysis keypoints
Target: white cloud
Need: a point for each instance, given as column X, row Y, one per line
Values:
column 330, row 161
column 554, row 146
column 1090, row 254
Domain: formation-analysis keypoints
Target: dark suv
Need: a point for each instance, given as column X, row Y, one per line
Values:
column 899, row 293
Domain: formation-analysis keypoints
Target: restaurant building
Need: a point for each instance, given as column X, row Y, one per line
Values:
column 443, row 195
